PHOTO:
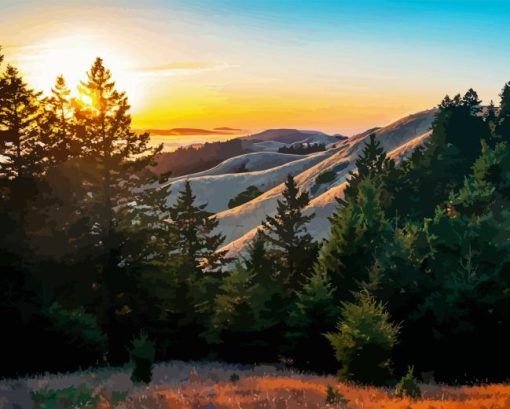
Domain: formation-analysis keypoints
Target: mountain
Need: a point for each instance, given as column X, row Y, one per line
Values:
column 268, row 171
column 192, row 131
column 290, row 136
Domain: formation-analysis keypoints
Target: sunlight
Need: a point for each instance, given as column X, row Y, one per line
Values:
column 72, row 57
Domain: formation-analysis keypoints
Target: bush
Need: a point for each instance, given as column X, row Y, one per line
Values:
column 72, row 397
column 245, row 196
column 75, row 333
column 142, row 354
column 335, row 397
column 408, row 386
column 325, row 177
column 364, row 341
column 234, row 378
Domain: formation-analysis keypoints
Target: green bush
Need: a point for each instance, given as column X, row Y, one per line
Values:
column 76, row 332
column 72, row 397
column 234, row 378
column 408, row 386
column 364, row 341
column 335, row 397
column 325, row 177
column 250, row 193
column 142, row 354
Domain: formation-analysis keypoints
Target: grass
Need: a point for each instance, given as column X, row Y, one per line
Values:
column 180, row 385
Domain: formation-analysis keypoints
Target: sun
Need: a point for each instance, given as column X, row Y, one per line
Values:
column 72, row 56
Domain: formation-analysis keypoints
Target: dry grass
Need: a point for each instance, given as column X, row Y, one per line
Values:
column 290, row 393
column 181, row 385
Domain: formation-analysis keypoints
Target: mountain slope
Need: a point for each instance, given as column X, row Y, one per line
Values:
column 217, row 190
column 250, row 162
column 399, row 138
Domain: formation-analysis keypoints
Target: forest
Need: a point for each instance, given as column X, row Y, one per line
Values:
column 97, row 269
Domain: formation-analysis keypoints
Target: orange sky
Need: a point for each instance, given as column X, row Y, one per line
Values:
column 191, row 64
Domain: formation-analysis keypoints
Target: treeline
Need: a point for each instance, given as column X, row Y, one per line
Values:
column 190, row 159
column 302, row 148
column 415, row 271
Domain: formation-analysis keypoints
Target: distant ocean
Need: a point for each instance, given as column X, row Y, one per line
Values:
column 172, row 142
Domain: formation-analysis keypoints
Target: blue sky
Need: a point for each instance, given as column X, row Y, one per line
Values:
column 334, row 65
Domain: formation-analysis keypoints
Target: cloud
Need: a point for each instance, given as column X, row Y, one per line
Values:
column 181, row 68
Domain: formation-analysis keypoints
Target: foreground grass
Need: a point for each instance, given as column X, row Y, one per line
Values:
column 180, row 385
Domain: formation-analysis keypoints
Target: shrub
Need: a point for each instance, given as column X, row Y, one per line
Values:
column 75, row 330
column 325, row 177
column 335, row 397
column 364, row 341
column 72, row 397
column 250, row 193
column 234, row 378
column 408, row 386
column 142, row 354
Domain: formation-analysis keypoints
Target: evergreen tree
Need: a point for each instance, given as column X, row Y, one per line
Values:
column 20, row 112
column 503, row 121
column 371, row 164
column 60, row 121
column 314, row 313
column 364, row 341
column 287, row 234
column 192, row 227
column 359, row 232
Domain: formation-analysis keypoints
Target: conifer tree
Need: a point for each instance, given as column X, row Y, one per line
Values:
column 286, row 232
column 60, row 121
column 20, row 111
column 372, row 164
column 314, row 313
column 503, row 121
column 359, row 230
column 192, row 227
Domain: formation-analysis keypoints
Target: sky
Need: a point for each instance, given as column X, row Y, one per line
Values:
column 337, row 66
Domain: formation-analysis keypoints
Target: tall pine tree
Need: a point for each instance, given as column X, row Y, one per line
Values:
column 288, row 236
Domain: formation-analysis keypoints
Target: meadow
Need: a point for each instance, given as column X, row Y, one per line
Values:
column 199, row 385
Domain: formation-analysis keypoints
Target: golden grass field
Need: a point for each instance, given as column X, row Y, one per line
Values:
column 290, row 393
column 199, row 385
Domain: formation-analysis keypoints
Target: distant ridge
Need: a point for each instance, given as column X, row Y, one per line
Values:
column 191, row 131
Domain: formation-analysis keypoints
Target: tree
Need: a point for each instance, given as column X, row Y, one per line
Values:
column 503, row 121
column 359, row 232
column 120, row 158
column 314, row 313
column 371, row 164
column 192, row 226
column 20, row 112
column 287, row 234
column 364, row 341
column 250, row 193
column 60, row 120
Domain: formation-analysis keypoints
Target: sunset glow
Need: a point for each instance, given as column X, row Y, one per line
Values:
column 334, row 67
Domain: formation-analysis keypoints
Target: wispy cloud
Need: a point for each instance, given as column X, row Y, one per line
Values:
column 181, row 68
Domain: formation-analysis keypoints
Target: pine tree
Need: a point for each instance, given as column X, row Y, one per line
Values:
column 314, row 313
column 287, row 234
column 60, row 121
column 192, row 227
column 364, row 341
column 371, row 164
column 503, row 121
column 359, row 231
column 20, row 111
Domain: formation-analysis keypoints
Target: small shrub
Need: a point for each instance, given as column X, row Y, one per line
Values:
column 364, row 341
column 118, row 397
column 335, row 397
column 250, row 193
column 142, row 354
column 408, row 386
column 325, row 177
column 234, row 378
column 72, row 397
